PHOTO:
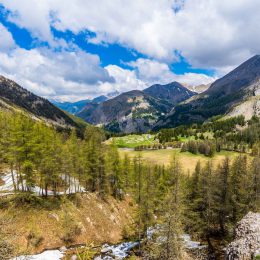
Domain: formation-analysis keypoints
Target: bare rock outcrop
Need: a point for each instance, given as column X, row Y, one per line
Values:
column 247, row 239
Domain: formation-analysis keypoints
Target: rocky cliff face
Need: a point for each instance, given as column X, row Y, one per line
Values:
column 246, row 245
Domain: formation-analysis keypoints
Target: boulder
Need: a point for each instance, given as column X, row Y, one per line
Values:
column 247, row 239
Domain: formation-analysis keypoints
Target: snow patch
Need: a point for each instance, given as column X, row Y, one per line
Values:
column 46, row 255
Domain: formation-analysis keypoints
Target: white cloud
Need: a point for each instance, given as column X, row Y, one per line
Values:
column 63, row 75
column 125, row 80
column 151, row 72
column 6, row 39
column 211, row 34
column 73, row 75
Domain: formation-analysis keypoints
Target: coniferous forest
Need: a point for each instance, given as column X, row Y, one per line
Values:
column 206, row 203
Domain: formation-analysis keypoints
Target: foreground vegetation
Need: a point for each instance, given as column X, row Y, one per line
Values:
column 206, row 203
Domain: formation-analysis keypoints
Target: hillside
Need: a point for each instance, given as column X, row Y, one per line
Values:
column 173, row 92
column 52, row 223
column 237, row 87
column 14, row 97
column 135, row 111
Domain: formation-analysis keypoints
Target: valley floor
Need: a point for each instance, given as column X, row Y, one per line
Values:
column 187, row 160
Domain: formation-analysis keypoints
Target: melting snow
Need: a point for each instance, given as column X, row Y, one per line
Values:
column 46, row 255
column 189, row 244
column 8, row 187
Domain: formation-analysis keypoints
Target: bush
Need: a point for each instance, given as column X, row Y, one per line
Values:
column 71, row 228
column 6, row 250
column 34, row 238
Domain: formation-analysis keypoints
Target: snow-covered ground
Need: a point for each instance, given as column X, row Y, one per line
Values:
column 46, row 255
column 189, row 244
column 8, row 188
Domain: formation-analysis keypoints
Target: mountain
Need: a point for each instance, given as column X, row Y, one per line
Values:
column 75, row 107
column 135, row 111
column 173, row 92
column 197, row 88
column 14, row 97
column 71, row 107
column 229, row 95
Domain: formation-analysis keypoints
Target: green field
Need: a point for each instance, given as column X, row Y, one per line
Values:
column 188, row 160
column 132, row 141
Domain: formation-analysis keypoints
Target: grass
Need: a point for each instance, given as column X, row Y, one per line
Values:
column 208, row 135
column 32, row 229
column 132, row 141
column 187, row 160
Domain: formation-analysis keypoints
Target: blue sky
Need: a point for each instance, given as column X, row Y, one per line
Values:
column 69, row 50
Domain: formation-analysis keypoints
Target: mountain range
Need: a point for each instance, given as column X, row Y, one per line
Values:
column 136, row 111
column 236, row 93
column 76, row 107
column 156, row 107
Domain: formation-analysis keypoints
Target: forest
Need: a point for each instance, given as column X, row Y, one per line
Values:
column 206, row 203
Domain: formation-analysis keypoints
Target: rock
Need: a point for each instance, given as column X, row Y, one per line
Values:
column 247, row 239
column 74, row 257
column 106, row 250
column 54, row 216
column 81, row 227
column 63, row 249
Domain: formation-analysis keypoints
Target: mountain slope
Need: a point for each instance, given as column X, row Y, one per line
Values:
column 13, row 96
column 136, row 111
column 234, row 89
column 173, row 92
column 133, row 111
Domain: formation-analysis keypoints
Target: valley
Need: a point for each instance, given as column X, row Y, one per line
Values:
column 187, row 160
column 129, row 130
column 121, row 184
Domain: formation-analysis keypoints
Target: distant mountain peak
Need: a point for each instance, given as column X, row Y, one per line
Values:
column 136, row 110
column 173, row 92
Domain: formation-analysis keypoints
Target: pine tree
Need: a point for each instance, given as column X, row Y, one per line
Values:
column 222, row 195
column 171, row 244
column 239, row 188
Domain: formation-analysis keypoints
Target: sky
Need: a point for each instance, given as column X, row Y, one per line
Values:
column 71, row 50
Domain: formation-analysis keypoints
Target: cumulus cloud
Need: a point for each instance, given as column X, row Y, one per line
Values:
column 6, row 39
column 74, row 75
column 151, row 72
column 211, row 34
column 63, row 75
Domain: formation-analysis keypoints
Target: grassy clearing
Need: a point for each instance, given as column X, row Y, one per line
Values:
column 187, row 160
column 132, row 141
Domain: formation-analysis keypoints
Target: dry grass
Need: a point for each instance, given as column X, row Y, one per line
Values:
column 187, row 160
column 92, row 220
